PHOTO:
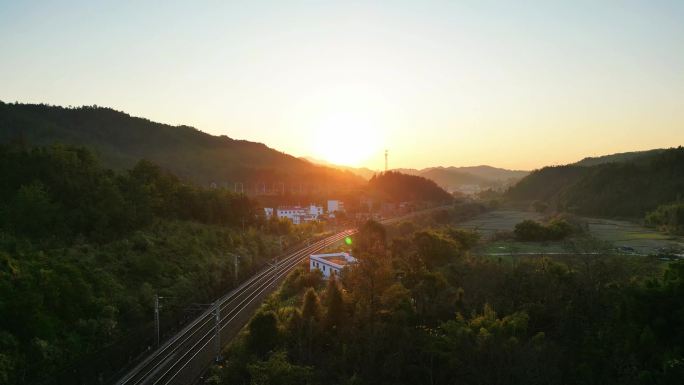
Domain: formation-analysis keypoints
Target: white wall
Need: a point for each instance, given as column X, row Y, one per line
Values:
column 327, row 270
column 293, row 214
column 315, row 210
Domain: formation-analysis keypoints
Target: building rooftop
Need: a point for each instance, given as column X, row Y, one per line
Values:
column 337, row 259
column 290, row 208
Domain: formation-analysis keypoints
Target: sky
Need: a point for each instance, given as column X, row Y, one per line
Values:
column 515, row 84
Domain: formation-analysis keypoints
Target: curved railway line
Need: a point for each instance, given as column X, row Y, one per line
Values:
column 184, row 357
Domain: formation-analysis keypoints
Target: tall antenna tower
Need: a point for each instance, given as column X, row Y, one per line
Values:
column 385, row 160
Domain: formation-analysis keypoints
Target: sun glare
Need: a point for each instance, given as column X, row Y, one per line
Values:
column 346, row 139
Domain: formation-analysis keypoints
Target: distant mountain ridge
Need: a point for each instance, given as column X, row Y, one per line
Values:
column 456, row 178
column 121, row 140
column 451, row 178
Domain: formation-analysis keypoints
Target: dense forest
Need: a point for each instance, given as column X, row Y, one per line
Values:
column 627, row 188
column 396, row 187
column 122, row 140
column 419, row 309
column 83, row 250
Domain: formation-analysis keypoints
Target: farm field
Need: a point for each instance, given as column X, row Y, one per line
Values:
column 499, row 220
column 613, row 232
column 628, row 234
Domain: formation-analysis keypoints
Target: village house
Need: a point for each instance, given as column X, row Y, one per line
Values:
column 297, row 214
column 330, row 264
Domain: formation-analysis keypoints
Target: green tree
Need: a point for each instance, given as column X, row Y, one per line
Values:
column 277, row 370
column 371, row 238
column 335, row 308
column 32, row 212
column 263, row 333
column 467, row 239
column 435, row 248
column 311, row 308
column 529, row 230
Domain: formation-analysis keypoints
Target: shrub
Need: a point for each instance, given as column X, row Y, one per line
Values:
column 529, row 230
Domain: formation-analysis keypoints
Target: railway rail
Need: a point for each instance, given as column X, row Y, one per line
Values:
column 184, row 357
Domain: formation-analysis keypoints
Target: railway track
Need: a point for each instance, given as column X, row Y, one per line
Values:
column 183, row 358
column 186, row 355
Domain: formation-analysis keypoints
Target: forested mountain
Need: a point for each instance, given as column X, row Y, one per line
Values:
column 625, row 188
column 616, row 158
column 364, row 172
column 121, row 140
column 397, row 187
column 83, row 250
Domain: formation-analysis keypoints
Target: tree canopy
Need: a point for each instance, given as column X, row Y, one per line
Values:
column 84, row 249
column 628, row 188
column 426, row 312
column 398, row 187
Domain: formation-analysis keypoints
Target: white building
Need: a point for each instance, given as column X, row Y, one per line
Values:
column 294, row 213
column 315, row 211
column 298, row 214
column 330, row 264
column 268, row 212
column 335, row 205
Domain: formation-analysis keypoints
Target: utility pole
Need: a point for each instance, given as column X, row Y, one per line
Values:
column 237, row 265
column 217, row 331
column 156, row 320
column 275, row 271
column 385, row 160
column 157, row 307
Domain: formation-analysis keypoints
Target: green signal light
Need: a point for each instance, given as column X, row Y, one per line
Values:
column 348, row 240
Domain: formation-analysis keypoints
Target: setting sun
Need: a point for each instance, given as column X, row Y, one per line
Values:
column 346, row 139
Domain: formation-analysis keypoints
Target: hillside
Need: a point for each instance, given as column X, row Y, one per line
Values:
column 364, row 172
column 84, row 249
column 617, row 158
column 628, row 188
column 398, row 187
column 121, row 140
